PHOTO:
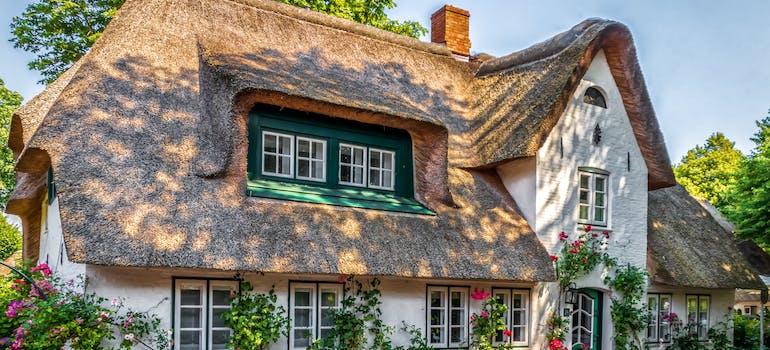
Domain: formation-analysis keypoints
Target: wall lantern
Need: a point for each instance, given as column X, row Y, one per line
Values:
column 571, row 294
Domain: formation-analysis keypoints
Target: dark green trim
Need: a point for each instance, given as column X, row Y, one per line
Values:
column 334, row 132
column 589, row 169
column 340, row 197
column 51, row 186
column 598, row 315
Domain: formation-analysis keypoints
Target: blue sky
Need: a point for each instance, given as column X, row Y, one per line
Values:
column 706, row 62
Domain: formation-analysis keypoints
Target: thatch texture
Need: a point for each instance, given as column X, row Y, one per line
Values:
column 756, row 256
column 519, row 98
column 687, row 247
column 147, row 139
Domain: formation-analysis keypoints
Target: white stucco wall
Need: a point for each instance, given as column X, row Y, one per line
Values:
column 552, row 208
column 52, row 249
column 404, row 300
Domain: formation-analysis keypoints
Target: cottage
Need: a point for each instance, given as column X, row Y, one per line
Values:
column 202, row 138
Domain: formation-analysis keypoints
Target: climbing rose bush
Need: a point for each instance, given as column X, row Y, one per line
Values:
column 49, row 314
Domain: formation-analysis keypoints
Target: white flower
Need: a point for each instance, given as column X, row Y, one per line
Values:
column 129, row 337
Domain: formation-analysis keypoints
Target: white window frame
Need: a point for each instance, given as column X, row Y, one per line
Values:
column 381, row 170
column 206, row 288
column 278, row 155
column 508, row 295
column 352, row 166
column 700, row 329
column 446, row 321
column 310, row 159
column 315, row 307
column 656, row 317
column 592, row 191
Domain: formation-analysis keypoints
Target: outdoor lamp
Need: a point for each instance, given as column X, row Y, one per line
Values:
column 571, row 294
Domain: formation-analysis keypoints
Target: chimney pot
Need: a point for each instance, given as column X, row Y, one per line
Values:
column 449, row 26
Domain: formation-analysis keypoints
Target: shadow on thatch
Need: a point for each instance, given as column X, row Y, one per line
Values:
column 124, row 142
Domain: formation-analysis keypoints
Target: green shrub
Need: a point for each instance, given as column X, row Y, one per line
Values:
column 10, row 239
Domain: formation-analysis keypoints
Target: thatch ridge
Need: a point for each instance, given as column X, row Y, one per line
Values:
column 518, row 99
column 687, row 247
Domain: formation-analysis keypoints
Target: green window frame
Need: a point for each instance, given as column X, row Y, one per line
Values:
column 308, row 157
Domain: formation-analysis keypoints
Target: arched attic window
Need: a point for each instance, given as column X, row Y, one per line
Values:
column 594, row 97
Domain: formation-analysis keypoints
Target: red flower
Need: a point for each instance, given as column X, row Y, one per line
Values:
column 479, row 294
column 555, row 344
column 594, row 235
column 554, row 258
column 583, row 346
column 507, row 332
column 588, row 228
column 585, row 260
column 573, row 251
column 562, row 236
column 607, row 234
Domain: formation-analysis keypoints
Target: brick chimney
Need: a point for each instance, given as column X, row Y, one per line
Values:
column 449, row 26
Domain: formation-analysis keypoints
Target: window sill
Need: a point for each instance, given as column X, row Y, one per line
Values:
column 340, row 197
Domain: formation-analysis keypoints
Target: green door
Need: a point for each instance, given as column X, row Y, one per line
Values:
column 586, row 325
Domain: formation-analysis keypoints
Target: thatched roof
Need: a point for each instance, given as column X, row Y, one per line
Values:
column 147, row 139
column 519, row 98
column 756, row 256
column 687, row 247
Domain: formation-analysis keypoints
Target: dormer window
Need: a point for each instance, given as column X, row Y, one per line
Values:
column 312, row 158
column 593, row 96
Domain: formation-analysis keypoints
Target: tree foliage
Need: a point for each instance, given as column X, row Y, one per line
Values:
column 59, row 32
column 709, row 171
column 369, row 12
column 9, row 101
column 10, row 239
column 749, row 199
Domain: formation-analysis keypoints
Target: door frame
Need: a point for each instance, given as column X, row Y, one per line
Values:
column 598, row 298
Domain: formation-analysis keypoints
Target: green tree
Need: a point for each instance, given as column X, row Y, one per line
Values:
column 9, row 101
column 749, row 199
column 10, row 239
column 709, row 171
column 59, row 32
column 369, row 12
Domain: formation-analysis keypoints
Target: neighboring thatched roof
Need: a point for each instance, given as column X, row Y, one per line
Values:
column 147, row 139
column 756, row 256
column 687, row 247
column 747, row 296
column 520, row 98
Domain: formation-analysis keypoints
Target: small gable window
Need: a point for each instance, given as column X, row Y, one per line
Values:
column 313, row 158
column 592, row 196
column 594, row 97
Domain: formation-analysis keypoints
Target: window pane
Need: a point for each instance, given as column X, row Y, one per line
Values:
column 301, row 318
column 285, row 145
column 456, row 335
column 216, row 317
column 457, row 299
column 599, row 200
column 599, row 214
column 387, row 179
column 436, row 317
column 284, row 167
column 190, row 297
column 374, row 159
column 583, row 197
column 328, row 297
column 519, row 318
column 457, row 317
column 345, row 173
column 437, row 335
column 374, row 177
column 436, row 299
column 518, row 334
column 303, row 168
column 220, row 297
column 358, row 156
column 190, row 340
column 318, row 150
column 270, row 163
column 219, row 339
column 584, row 181
column 345, row 152
column 387, row 161
column 269, row 143
column 517, row 298
column 302, row 297
column 584, row 212
column 303, row 148
column 190, row 318
column 599, row 184
column 301, row 338
column 318, row 170
column 326, row 318
column 358, row 175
